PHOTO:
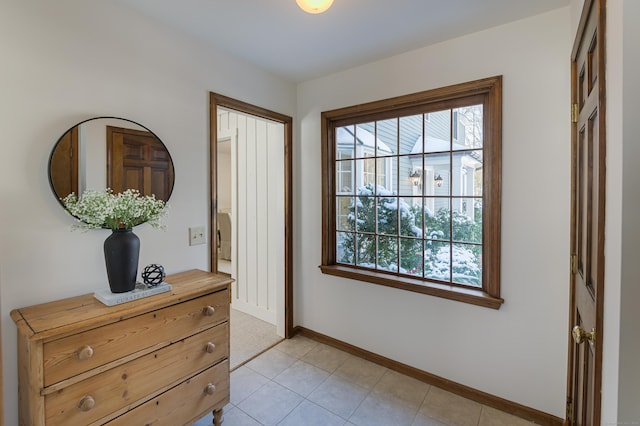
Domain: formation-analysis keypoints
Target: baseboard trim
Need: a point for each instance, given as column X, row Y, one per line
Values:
column 496, row 402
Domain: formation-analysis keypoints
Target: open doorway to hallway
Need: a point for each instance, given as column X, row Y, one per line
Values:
column 251, row 217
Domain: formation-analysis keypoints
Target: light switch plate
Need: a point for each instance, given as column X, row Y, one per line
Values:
column 197, row 235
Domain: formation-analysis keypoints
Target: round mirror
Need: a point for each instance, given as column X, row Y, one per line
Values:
column 110, row 152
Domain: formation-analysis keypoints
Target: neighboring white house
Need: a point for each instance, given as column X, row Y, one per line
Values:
column 446, row 161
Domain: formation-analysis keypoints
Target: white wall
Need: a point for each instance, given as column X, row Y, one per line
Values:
column 575, row 6
column 518, row 352
column 629, row 372
column 613, row 227
column 69, row 60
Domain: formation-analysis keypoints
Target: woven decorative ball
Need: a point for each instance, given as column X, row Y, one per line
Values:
column 153, row 274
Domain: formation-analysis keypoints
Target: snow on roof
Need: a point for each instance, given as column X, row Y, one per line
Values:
column 344, row 136
column 434, row 145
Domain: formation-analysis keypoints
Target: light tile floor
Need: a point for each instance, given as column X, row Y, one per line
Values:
column 301, row 382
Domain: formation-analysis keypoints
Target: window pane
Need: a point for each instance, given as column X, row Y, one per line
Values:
column 467, row 220
column 345, row 142
column 345, row 244
column 365, row 173
column 411, row 134
column 478, row 186
column 365, row 141
column 344, row 177
column 387, row 137
column 437, row 130
column 388, row 253
column 437, row 222
column 468, row 127
column 389, row 180
column 387, row 214
column 437, row 168
column 386, row 172
column 366, row 250
column 467, row 264
column 467, row 169
column 369, row 168
column 365, row 210
column 437, row 261
column 411, row 256
column 429, row 207
column 381, row 173
column 345, row 219
column 411, row 217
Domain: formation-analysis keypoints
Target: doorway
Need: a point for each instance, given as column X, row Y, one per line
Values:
column 259, row 248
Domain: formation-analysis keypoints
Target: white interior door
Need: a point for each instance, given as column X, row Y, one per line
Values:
column 257, row 214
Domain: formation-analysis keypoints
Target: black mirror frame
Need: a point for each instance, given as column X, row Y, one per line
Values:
column 51, row 185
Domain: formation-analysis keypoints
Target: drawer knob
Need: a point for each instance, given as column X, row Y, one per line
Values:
column 208, row 311
column 85, row 352
column 86, row 403
column 210, row 348
column 210, row 389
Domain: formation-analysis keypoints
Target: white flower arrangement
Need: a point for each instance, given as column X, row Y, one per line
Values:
column 104, row 209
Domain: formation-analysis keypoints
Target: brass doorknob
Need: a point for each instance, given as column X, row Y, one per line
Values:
column 579, row 335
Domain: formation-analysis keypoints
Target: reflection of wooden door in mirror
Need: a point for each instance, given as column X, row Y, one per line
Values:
column 138, row 160
column 64, row 164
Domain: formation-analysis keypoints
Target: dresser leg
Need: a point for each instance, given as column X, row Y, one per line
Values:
column 218, row 417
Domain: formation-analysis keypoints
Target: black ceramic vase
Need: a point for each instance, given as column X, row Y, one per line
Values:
column 121, row 251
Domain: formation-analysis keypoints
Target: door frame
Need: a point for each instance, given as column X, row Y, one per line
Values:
column 601, row 188
column 216, row 100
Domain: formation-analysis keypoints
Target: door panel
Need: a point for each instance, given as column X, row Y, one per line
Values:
column 258, row 251
column 138, row 160
column 588, row 219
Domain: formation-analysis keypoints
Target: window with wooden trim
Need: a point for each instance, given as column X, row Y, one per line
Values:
column 412, row 189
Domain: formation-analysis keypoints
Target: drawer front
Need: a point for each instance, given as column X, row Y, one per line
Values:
column 112, row 390
column 81, row 352
column 189, row 400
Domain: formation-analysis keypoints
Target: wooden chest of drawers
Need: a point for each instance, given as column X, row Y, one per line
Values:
column 161, row 360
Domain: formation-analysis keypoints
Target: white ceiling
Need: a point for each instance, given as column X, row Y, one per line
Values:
column 279, row 37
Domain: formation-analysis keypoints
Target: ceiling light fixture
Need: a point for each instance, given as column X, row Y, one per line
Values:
column 314, row 6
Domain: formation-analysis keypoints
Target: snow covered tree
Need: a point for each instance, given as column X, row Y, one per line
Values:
column 375, row 211
column 389, row 236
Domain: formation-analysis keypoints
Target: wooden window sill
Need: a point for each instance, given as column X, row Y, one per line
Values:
column 461, row 294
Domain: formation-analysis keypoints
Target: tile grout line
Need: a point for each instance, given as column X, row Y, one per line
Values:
column 273, row 381
column 370, row 391
column 306, row 398
column 421, row 404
